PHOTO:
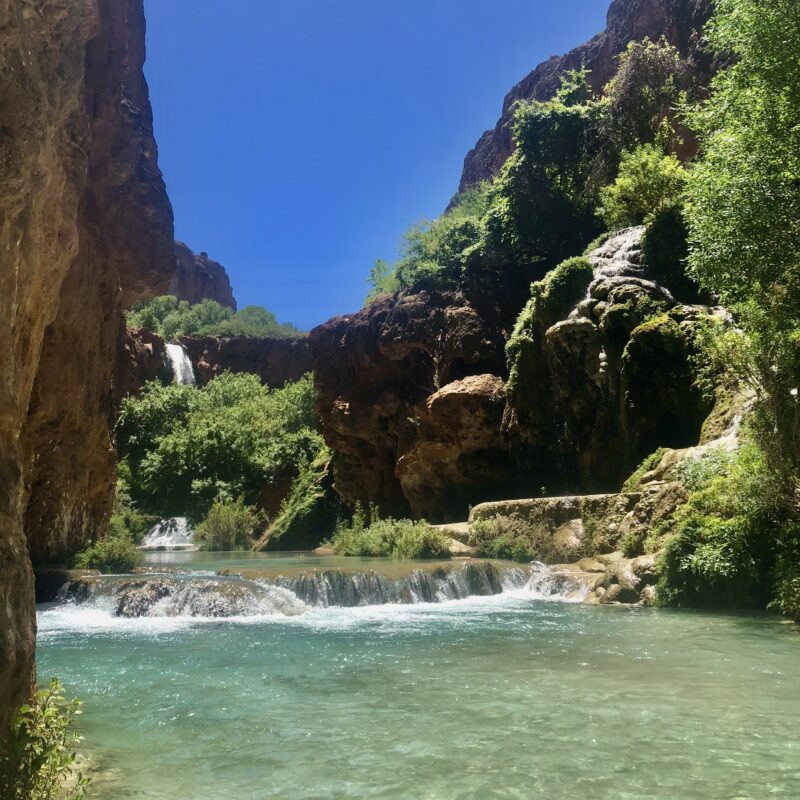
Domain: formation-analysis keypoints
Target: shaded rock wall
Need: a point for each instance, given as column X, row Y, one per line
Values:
column 274, row 360
column 85, row 227
column 197, row 277
column 677, row 20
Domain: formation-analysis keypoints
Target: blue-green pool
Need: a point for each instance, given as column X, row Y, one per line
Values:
column 493, row 697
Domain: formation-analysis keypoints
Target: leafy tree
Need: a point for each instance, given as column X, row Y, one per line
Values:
column 185, row 447
column 228, row 525
column 172, row 318
column 648, row 183
column 652, row 84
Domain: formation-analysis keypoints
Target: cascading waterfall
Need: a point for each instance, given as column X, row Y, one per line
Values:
column 181, row 365
column 174, row 533
column 230, row 595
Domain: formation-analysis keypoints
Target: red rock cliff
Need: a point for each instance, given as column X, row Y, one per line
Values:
column 628, row 20
column 197, row 277
column 85, row 228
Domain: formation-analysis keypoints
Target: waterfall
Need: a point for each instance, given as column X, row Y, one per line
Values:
column 181, row 364
column 169, row 534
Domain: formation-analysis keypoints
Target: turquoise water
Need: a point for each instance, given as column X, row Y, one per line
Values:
column 493, row 697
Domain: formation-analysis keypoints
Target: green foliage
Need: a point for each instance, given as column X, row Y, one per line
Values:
column 551, row 299
column 744, row 195
column 394, row 538
column 645, row 96
column 649, row 464
column 723, row 540
column 39, row 762
column 228, row 525
column 172, row 318
column 510, row 538
column 382, row 280
column 648, row 183
column 126, row 520
column 184, row 447
column 697, row 473
column 116, row 553
column 308, row 512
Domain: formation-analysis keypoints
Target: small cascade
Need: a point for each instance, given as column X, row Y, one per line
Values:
column 181, row 365
column 174, row 533
column 546, row 583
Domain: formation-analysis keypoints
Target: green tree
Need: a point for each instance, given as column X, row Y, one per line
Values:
column 648, row 183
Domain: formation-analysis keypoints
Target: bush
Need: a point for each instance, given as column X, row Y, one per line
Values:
column 722, row 542
column 648, row 182
column 229, row 525
column 172, row 318
column 40, row 758
column 394, row 538
column 512, row 538
column 116, row 553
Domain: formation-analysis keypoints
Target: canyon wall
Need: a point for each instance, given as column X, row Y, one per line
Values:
column 85, row 228
column 628, row 20
column 197, row 277
column 423, row 417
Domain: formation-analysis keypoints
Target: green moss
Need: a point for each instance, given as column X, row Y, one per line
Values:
column 551, row 299
column 649, row 464
column 512, row 538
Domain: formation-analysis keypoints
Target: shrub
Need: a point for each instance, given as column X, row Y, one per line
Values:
column 648, row 182
column 395, row 538
column 723, row 540
column 511, row 538
column 40, row 758
column 229, row 525
column 116, row 553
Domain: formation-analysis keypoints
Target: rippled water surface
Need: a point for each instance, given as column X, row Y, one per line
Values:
column 505, row 696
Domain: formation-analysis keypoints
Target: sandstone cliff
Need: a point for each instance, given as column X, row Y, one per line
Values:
column 197, row 277
column 85, row 228
column 628, row 20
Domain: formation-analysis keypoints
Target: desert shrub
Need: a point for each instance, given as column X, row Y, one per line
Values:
column 648, row 464
column 116, row 553
column 228, row 525
column 512, row 538
column 39, row 761
column 395, row 538
column 648, row 182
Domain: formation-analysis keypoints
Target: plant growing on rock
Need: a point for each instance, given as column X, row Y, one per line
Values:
column 394, row 538
column 116, row 553
column 39, row 763
column 648, row 183
column 229, row 525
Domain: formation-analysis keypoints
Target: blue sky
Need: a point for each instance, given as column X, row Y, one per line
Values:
column 299, row 139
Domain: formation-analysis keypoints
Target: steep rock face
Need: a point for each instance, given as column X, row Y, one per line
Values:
column 274, row 360
column 142, row 358
column 593, row 393
column 197, row 277
column 391, row 389
column 85, row 226
column 628, row 20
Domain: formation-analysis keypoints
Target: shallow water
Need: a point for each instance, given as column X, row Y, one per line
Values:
column 505, row 696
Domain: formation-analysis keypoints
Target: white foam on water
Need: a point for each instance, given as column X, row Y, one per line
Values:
column 174, row 533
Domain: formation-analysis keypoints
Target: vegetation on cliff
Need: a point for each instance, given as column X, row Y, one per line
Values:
column 172, row 318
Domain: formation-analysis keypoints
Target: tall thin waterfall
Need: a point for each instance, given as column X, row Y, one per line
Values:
column 182, row 370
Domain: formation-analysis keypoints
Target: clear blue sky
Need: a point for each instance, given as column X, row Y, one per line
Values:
column 299, row 139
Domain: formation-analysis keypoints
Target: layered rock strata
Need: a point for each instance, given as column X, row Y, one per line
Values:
column 85, row 228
